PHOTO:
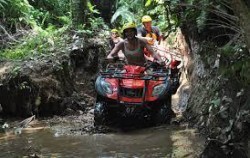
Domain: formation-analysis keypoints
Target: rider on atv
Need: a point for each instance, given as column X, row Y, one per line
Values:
column 129, row 91
column 132, row 47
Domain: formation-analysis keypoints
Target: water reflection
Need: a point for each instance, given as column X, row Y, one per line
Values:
column 168, row 141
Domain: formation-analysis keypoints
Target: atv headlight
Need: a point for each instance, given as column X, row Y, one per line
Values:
column 106, row 86
column 159, row 89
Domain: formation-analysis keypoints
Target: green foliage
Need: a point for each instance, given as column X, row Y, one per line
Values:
column 201, row 19
column 235, row 63
column 93, row 28
column 126, row 15
column 32, row 13
column 65, row 20
column 128, row 11
column 148, row 3
column 96, row 24
column 17, row 11
column 48, row 12
column 133, row 10
column 2, row 3
column 15, row 70
column 37, row 43
column 160, row 16
column 92, row 8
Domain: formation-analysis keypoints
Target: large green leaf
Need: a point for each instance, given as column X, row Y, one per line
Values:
column 126, row 15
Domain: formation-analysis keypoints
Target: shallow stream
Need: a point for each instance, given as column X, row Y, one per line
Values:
column 165, row 141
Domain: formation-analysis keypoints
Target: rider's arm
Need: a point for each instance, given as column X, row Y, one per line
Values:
column 145, row 39
column 116, row 49
column 155, row 55
column 139, row 32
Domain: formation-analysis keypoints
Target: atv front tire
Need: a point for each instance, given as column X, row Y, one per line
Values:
column 164, row 114
column 99, row 113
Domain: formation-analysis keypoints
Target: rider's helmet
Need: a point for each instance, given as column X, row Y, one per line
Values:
column 146, row 18
column 129, row 25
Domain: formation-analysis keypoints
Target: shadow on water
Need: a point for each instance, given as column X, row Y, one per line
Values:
column 163, row 141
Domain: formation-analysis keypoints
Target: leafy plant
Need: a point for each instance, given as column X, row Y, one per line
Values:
column 17, row 11
column 47, row 11
column 37, row 43
column 126, row 15
column 92, row 8
column 2, row 3
column 133, row 10
column 235, row 63
column 96, row 23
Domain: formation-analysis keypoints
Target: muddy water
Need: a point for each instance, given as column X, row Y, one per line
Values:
column 164, row 141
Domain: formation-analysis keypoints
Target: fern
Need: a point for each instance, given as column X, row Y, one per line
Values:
column 92, row 8
column 148, row 3
column 201, row 20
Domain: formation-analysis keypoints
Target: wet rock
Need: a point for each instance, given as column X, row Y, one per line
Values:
column 91, row 111
column 240, row 93
column 79, row 112
column 217, row 62
column 34, row 156
column 83, row 103
column 86, row 58
column 18, row 96
column 73, row 104
column 69, row 111
column 1, row 109
column 5, row 125
column 213, row 150
column 175, row 122
column 226, row 99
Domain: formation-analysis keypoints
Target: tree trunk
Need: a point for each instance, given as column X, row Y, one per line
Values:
column 78, row 11
column 106, row 8
column 242, row 10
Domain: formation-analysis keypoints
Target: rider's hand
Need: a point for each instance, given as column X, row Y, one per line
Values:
column 162, row 63
column 112, row 59
column 115, row 58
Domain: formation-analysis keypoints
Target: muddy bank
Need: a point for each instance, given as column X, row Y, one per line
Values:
column 57, row 84
column 218, row 103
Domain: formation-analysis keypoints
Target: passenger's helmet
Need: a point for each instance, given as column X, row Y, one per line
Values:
column 114, row 31
column 146, row 18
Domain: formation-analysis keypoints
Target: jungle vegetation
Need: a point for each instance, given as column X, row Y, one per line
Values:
column 31, row 28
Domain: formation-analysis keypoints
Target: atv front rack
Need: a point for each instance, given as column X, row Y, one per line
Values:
column 121, row 75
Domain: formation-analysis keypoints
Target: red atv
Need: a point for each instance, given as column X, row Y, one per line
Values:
column 133, row 92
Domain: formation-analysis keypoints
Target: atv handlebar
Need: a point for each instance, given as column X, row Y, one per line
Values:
column 114, row 59
column 115, row 63
column 154, row 65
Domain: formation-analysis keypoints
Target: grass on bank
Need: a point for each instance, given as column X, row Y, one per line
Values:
column 36, row 43
column 50, row 40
